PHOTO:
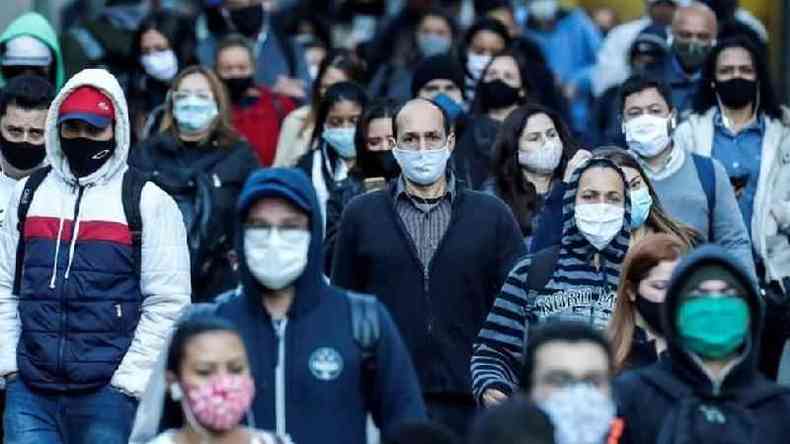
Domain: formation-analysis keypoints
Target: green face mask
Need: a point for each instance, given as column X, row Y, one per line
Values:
column 691, row 54
column 713, row 327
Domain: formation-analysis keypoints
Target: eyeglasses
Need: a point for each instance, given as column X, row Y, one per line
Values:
column 287, row 233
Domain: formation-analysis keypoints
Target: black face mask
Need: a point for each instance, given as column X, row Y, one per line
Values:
column 237, row 86
column 382, row 164
column 85, row 156
column 22, row 155
column 737, row 93
column 248, row 21
column 497, row 94
column 651, row 313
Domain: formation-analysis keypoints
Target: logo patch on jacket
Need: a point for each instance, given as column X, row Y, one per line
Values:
column 326, row 364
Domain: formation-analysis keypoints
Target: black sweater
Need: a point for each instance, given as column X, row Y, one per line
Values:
column 439, row 310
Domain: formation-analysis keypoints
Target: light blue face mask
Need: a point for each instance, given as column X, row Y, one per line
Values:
column 341, row 140
column 432, row 44
column 641, row 202
column 450, row 106
column 194, row 114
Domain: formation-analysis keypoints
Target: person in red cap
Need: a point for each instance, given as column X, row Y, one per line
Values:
column 94, row 271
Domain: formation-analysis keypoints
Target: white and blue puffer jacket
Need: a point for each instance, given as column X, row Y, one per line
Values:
column 84, row 317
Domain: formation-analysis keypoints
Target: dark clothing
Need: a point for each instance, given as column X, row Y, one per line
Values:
column 684, row 86
column 474, row 153
column 337, row 202
column 426, row 222
column 548, row 231
column 324, row 397
column 205, row 180
column 675, row 401
column 439, row 308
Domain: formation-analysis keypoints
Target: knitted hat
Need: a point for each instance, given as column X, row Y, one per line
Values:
column 441, row 66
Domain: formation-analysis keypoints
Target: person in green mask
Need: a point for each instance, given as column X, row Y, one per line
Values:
column 29, row 45
column 707, row 388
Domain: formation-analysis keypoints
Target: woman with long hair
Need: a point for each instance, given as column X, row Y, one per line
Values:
column 296, row 132
column 635, row 329
column 531, row 153
column 202, row 162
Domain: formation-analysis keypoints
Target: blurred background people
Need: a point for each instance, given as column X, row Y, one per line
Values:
column 29, row 45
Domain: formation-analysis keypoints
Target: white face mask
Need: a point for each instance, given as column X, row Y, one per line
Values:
column 543, row 160
column 161, row 65
column 276, row 257
column 647, row 135
column 543, row 9
column 423, row 167
column 476, row 63
column 599, row 223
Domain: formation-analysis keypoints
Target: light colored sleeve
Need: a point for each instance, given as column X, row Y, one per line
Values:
column 611, row 67
column 165, row 284
column 10, row 325
column 290, row 147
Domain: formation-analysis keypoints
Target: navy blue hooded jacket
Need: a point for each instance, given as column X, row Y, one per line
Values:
column 674, row 401
column 319, row 395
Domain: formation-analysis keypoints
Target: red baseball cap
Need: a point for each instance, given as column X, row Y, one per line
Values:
column 88, row 104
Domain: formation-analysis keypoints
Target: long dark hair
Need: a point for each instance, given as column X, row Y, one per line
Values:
column 484, row 24
column 766, row 99
column 512, row 187
column 478, row 106
column 342, row 59
column 379, row 109
column 175, row 29
column 658, row 219
column 194, row 325
column 336, row 93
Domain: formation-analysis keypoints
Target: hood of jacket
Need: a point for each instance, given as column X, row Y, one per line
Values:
column 573, row 242
column 106, row 82
column 292, row 185
column 680, row 358
column 35, row 25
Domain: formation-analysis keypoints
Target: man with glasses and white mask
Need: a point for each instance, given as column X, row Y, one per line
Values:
column 434, row 253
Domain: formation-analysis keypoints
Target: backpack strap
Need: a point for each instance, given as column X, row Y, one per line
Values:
column 32, row 184
column 131, row 194
column 542, row 267
column 366, row 328
column 707, row 178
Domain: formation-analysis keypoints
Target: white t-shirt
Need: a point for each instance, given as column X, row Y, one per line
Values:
column 258, row 437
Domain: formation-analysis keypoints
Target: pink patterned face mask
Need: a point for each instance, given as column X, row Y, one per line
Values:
column 220, row 404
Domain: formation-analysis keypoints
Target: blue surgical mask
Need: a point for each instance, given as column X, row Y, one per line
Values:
column 431, row 44
column 194, row 114
column 450, row 106
column 341, row 140
column 641, row 202
column 423, row 167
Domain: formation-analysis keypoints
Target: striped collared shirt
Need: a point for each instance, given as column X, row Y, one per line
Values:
column 425, row 221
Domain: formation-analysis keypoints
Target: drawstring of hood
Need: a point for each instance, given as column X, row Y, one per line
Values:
column 75, row 232
column 72, row 244
column 57, row 247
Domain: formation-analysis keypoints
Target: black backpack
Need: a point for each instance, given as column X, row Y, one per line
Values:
column 131, row 192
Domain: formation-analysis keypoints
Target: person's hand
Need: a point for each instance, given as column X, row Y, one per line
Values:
column 289, row 86
column 576, row 161
column 492, row 397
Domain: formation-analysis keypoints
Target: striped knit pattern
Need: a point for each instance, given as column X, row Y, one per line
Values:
column 426, row 224
column 577, row 291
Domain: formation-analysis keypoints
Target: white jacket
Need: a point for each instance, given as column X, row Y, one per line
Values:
column 164, row 281
column 772, row 200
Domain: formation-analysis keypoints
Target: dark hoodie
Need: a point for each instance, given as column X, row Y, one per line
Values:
column 320, row 395
column 674, row 401
column 577, row 291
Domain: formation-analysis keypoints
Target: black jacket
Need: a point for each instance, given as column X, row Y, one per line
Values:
column 474, row 154
column 674, row 402
column 439, row 310
column 182, row 171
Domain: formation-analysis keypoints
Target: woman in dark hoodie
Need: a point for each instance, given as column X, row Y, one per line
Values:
column 574, row 281
column 709, row 389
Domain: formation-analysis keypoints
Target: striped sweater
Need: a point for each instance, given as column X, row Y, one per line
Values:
column 577, row 291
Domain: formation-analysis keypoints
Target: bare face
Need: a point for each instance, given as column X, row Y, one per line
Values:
column 601, row 185
column 211, row 354
column 379, row 134
column 234, row 62
column 153, row 41
column 23, row 125
column 654, row 286
column 538, row 130
column 487, row 43
column 559, row 364
column 735, row 63
column 421, row 127
column 505, row 69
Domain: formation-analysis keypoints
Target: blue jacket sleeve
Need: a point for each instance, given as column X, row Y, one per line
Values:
column 397, row 396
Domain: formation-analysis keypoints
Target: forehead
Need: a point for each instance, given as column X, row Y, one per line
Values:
column 578, row 357
column 213, row 346
column 504, row 63
column 152, row 37
column 645, row 98
column 439, row 83
column 693, row 20
column 233, row 54
column 487, row 38
column 17, row 116
column 538, row 122
column 420, row 117
column 380, row 126
column 630, row 173
column 601, row 178
column 274, row 208
column 194, row 81
column 434, row 21
column 734, row 57
column 345, row 107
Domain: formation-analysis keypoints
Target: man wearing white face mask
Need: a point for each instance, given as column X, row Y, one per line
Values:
column 318, row 372
column 693, row 189
column 434, row 253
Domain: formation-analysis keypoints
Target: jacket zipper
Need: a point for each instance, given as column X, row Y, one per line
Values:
column 63, row 317
column 279, row 377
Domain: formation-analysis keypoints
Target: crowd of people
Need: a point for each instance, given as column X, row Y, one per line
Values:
column 434, row 221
